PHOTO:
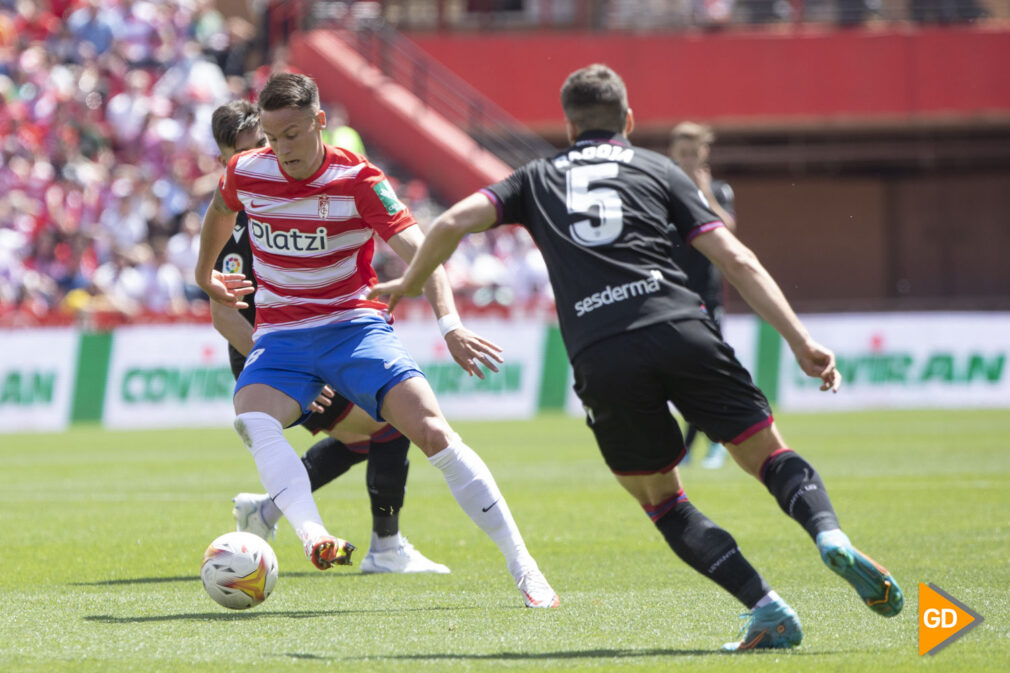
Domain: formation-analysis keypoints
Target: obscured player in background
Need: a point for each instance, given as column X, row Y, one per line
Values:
column 690, row 144
column 338, row 132
column 353, row 435
column 603, row 213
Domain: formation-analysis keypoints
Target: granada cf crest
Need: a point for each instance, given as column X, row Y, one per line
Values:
column 324, row 206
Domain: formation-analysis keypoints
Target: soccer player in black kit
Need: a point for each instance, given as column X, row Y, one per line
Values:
column 689, row 148
column 604, row 214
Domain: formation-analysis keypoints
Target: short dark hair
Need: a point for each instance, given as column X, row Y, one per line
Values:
column 287, row 89
column 231, row 119
column 595, row 98
column 688, row 130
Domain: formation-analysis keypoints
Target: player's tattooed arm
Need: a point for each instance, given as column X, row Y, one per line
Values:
column 219, row 205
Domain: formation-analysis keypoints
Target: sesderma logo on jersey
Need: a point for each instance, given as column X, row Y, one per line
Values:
column 612, row 295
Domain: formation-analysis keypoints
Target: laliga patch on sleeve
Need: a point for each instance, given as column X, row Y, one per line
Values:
column 232, row 263
column 385, row 192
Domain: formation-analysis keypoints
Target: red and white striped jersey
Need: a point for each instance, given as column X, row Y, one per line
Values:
column 312, row 239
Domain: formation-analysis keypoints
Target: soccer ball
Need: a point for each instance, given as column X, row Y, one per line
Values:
column 239, row 570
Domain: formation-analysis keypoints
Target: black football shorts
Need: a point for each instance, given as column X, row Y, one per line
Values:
column 324, row 422
column 625, row 381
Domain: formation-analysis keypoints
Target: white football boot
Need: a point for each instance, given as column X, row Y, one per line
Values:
column 399, row 558
column 248, row 512
column 537, row 593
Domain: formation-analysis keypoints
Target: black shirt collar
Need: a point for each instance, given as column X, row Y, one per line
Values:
column 596, row 136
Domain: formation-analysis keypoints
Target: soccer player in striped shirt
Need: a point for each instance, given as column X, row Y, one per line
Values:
column 313, row 210
column 351, row 435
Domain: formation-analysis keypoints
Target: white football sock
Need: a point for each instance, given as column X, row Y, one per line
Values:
column 833, row 537
column 381, row 544
column 769, row 597
column 271, row 515
column 281, row 471
column 475, row 490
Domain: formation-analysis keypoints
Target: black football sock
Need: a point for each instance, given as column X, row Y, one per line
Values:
column 328, row 459
column 387, row 479
column 799, row 490
column 707, row 548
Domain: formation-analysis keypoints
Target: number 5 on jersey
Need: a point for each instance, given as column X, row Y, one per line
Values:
column 602, row 203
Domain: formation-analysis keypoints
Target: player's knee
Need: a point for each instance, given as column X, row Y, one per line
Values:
column 253, row 427
column 752, row 453
column 433, row 435
column 651, row 490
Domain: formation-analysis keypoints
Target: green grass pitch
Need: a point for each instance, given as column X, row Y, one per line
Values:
column 102, row 535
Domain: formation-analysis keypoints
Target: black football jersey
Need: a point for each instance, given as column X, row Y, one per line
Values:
column 236, row 257
column 607, row 216
column 702, row 276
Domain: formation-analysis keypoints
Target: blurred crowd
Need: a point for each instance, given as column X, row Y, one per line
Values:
column 107, row 162
column 107, row 156
column 651, row 15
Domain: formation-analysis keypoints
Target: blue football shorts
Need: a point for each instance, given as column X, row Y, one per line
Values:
column 361, row 359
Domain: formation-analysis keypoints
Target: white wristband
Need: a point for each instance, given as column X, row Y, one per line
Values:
column 448, row 323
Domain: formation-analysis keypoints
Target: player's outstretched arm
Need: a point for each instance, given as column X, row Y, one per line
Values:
column 230, row 324
column 468, row 349
column 742, row 268
column 225, row 288
column 472, row 214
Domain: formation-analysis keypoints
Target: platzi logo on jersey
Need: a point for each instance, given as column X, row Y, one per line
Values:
column 385, row 192
column 942, row 619
column 878, row 366
column 288, row 242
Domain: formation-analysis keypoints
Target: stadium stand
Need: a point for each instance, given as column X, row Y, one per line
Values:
column 107, row 159
column 630, row 15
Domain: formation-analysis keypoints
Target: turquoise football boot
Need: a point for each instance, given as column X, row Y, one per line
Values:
column 772, row 626
column 872, row 581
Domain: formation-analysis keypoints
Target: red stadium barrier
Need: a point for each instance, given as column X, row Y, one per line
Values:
column 747, row 78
